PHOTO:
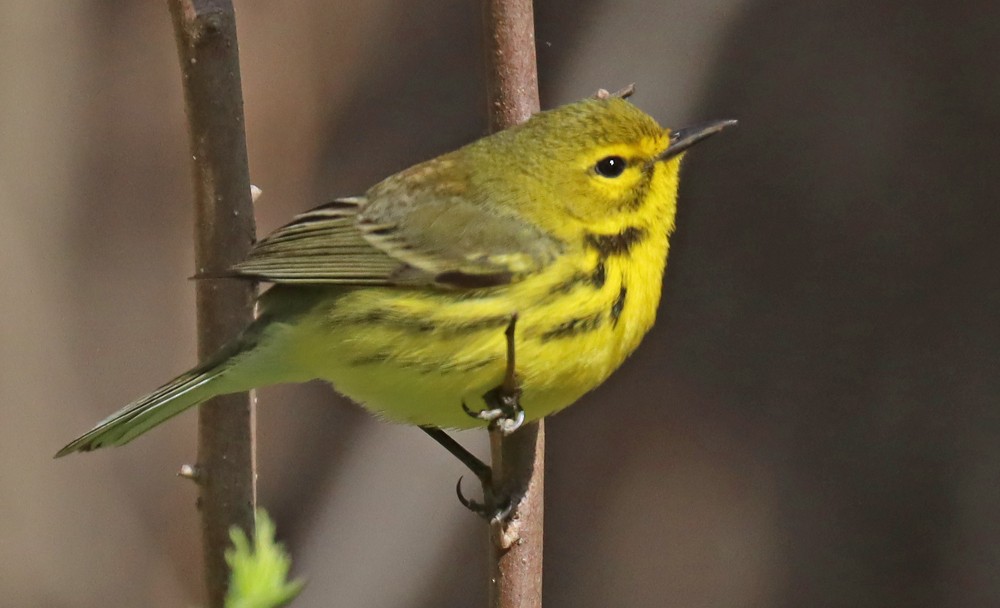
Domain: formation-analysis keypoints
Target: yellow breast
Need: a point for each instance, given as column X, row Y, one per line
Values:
column 415, row 355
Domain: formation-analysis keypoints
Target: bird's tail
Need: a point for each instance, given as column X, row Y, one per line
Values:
column 187, row 390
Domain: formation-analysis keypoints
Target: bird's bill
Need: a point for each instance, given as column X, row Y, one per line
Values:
column 682, row 139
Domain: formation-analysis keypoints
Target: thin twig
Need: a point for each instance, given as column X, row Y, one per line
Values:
column 623, row 93
column 518, row 458
column 205, row 31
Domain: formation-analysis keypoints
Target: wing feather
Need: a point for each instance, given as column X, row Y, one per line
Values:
column 399, row 240
column 320, row 246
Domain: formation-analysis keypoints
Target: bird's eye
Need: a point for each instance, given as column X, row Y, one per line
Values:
column 610, row 166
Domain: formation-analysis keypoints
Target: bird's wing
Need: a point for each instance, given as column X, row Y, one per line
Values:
column 320, row 246
column 435, row 241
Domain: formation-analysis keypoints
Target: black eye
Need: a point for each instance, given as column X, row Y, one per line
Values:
column 610, row 166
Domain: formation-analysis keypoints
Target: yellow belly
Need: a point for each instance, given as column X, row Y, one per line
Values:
column 415, row 356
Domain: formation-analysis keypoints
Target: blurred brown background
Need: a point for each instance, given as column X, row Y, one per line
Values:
column 813, row 421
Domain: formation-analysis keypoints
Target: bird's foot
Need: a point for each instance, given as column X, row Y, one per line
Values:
column 492, row 509
column 504, row 413
column 503, row 404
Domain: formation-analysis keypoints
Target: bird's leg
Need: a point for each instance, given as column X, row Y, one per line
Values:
column 504, row 412
column 504, row 415
column 489, row 508
column 479, row 468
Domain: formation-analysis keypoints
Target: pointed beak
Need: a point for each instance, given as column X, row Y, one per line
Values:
column 682, row 139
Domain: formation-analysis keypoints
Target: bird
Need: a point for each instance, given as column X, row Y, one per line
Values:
column 401, row 298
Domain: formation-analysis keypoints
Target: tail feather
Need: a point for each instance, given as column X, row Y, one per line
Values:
column 259, row 357
column 181, row 393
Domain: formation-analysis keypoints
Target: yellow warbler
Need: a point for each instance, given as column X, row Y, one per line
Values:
column 400, row 298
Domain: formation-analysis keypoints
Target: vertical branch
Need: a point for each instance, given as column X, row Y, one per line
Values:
column 512, row 74
column 518, row 460
column 224, row 231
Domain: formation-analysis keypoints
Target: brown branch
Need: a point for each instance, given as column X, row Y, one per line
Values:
column 224, row 230
column 517, row 459
column 512, row 76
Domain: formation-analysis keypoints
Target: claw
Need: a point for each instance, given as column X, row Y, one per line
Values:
column 509, row 425
column 506, row 417
column 471, row 505
column 487, row 415
column 484, row 509
column 502, row 513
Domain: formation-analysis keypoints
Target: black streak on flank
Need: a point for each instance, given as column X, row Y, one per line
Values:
column 615, row 244
column 468, row 327
column 429, row 367
column 596, row 279
column 618, row 306
column 573, row 327
column 569, row 284
column 416, row 324
column 374, row 359
column 599, row 275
